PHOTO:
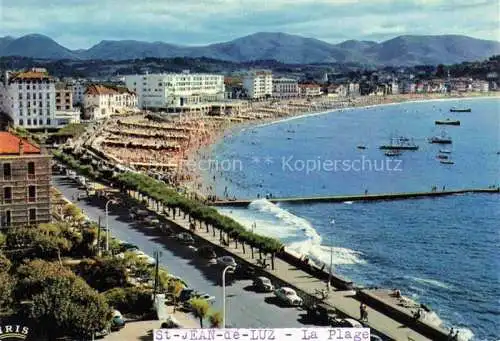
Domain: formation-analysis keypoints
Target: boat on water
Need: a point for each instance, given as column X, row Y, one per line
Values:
column 400, row 143
column 448, row 121
column 445, row 151
column 442, row 139
column 460, row 110
column 361, row 146
column 391, row 153
column 442, row 157
column 447, row 162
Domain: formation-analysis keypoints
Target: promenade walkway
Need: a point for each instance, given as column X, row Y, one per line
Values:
column 343, row 301
column 361, row 197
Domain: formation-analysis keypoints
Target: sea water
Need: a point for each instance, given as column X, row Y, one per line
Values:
column 441, row 251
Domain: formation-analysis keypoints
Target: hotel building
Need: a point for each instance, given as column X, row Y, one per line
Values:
column 174, row 90
column 29, row 98
column 285, row 88
column 258, row 84
column 25, row 174
column 103, row 101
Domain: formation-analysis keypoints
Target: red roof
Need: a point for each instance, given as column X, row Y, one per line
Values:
column 9, row 145
column 30, row 75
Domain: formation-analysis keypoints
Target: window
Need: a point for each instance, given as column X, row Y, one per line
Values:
column 31, row 193
column 6, row 219
column 7, row 171
column 21, row 122
column 7, row 195
column 31, row 170
column 29, row 120
column 40, row 122
column 32, row 215
column 48, row 121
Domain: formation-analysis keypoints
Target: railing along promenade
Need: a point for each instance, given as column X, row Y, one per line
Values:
column 361, row 197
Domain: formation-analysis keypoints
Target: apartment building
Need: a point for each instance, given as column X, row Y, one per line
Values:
column 258, row 84
column 174, row 90
column 25, row 174
column 285, row 88
column 64, row 97
column 103, row 101
column 29, row 98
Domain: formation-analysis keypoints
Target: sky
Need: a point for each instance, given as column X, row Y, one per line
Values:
column 83, row 23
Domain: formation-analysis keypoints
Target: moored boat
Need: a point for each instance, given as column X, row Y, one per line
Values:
column 391, row 153
column 447, row 162
column 445, row 151
column 442, row 157
column 361, row 146
column 448, row 121
column 460, row 110
column 400, row 143
column 442, row 139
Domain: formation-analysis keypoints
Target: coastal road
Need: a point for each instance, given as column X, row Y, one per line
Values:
column 244, row 308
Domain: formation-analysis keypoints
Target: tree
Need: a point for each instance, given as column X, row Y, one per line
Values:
column 68, row 306
column 200, row 308
column 440, row 72
column 5, row 263
column 105, row 273
column 215, row 319
column 175, row 288
column 73, row 213
column 2, row 240
column 6, row 290
column 130, row 300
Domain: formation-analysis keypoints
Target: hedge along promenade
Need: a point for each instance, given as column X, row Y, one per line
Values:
column 198, row 211
column 168, row 197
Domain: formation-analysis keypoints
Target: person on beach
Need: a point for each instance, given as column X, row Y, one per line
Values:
column 450, row 335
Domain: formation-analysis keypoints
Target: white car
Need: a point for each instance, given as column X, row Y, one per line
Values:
column 227, row 261
column 288, row 295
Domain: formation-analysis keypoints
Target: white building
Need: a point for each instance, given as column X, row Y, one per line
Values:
column 101, row 101
column 29, row 98
column 285, row 88
column 309, row 90
column 480, row 86
column 258, row 84
column 173, row 90
column 78, row 87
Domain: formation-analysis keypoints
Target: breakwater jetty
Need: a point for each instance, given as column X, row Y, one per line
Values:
column 361, row 197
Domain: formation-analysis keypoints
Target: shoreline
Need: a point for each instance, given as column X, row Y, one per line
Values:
column 204, row 184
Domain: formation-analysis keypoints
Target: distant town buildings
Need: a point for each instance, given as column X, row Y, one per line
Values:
column 285, row 88
column 309, row 90
column 173, row 90
column 102, row 101
column 258, row 84
column 25, row 174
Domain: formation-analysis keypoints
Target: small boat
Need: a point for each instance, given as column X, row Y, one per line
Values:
column 400, row 143
column 392, row 153
column 447, row 162
column 442, row 157
column 445, row 151
column 448, row 121
column 361, row 146
column 443, row 139
column 460, row 110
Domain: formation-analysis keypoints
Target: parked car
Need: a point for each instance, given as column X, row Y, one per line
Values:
column 227, row 261
column 186, row 294
column 321, row 314
column 185, row 238
column 288, row 295
column 81, row 196
column 117, row 322
column 263, row 284
column 347, row 323
column 244, row 272
column 206, row 252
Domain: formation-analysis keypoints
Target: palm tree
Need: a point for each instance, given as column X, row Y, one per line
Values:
column 200, row 308
column 215, row 319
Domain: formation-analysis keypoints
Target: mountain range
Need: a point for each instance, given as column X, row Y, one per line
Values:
column 405, row 50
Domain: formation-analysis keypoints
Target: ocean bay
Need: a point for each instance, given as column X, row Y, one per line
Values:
column 440, row 251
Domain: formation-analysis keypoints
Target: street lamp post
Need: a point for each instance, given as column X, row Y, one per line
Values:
column 224, row 294
column 331, row 258
column 107, row 226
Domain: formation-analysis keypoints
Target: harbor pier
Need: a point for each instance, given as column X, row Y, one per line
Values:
column 360, row 197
